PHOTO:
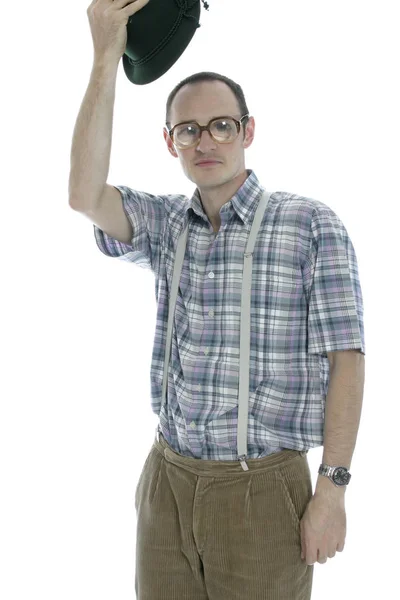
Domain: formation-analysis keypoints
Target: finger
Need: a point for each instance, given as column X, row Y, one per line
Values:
column 310, row 559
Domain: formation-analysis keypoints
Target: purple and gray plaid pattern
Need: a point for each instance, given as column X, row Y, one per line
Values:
column 306, row 301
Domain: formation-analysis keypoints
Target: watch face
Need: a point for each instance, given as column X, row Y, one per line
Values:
column 341, row 476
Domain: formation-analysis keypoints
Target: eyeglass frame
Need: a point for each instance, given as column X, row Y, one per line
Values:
column 207, row 128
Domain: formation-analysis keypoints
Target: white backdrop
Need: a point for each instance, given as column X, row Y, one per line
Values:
column 77, row 327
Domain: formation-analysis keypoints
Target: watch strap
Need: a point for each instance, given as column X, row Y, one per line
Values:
column 328, row 471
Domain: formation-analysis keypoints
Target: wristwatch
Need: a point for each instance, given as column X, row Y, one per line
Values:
column 338, row 475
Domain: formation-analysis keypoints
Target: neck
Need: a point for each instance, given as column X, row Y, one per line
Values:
column 214, row 198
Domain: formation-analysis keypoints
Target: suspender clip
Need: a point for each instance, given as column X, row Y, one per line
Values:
column 243, row 462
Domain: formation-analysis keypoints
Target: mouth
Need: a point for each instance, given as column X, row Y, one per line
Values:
column 208, row 163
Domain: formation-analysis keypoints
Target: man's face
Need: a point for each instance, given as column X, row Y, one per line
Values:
column 202, row 102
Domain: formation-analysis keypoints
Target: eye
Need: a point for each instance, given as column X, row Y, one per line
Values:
column 190, row 130
column 223, row 125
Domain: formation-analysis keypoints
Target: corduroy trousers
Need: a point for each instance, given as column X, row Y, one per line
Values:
column 207, row 530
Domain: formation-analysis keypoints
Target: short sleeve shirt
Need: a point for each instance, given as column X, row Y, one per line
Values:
column 306, row 301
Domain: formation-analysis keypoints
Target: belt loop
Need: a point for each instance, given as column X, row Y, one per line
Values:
column 157, row 434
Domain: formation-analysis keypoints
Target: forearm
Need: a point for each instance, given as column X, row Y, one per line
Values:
column 91, row 144
column 342, row 417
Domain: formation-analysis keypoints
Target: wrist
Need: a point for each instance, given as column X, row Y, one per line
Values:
column 326, row 486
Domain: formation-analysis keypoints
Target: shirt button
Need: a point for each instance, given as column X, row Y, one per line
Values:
column 198, row 387
column 211, row 275
column 193, row 425
column 205, row 350
column 211, row 312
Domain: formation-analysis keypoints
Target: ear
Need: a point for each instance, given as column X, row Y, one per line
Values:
column 250, row 132
column 170, row 145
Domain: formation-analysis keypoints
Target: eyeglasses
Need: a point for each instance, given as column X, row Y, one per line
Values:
column 223, row 130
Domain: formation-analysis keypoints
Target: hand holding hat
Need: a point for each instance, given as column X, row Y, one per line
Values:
column 151, row 40
column 108, row 19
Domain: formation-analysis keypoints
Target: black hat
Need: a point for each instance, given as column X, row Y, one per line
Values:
column 157, row 35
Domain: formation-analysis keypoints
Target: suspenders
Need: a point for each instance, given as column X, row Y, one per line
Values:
column 244, row 325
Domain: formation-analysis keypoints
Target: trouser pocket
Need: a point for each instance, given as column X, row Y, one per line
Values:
column 296, row 484
column 146, row 462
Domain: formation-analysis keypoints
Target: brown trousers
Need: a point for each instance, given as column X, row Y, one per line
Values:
column 207, row 530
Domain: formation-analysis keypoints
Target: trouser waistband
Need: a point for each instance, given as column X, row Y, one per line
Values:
column 225, row 467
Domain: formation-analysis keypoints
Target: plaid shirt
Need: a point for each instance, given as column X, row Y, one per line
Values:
column 306, row 300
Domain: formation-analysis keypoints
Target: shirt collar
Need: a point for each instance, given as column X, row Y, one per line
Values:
column 244, row 202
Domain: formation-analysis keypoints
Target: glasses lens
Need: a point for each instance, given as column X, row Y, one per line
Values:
column 223, row 130
column 186, row 135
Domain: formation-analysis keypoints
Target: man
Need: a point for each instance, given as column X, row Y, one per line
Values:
column 206, row 528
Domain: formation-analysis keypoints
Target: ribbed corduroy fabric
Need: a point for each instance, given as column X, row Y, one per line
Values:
column 208, row 530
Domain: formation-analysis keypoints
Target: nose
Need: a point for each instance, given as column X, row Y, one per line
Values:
column 206, row 143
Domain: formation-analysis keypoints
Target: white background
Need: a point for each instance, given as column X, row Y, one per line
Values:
column 77, row 327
